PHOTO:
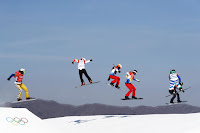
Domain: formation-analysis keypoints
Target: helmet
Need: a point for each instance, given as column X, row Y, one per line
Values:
column 22, row 71
column 172, row 71
column 134, row 72
column 120, row 66
column 82, row 58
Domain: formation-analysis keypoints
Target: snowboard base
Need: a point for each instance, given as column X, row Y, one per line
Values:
column 115, row 87
column 87, row 84
column 24, row 100
column 140, row 98
column 176, row 103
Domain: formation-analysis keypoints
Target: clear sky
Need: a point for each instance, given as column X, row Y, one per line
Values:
column 44, row 37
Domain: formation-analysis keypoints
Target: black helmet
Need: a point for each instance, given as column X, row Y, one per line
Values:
column 134, row 71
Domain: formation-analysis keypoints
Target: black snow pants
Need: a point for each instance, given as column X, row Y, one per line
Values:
column 174, row 93
column 81, row 72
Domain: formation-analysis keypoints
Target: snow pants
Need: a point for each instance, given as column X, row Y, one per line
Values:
column 21, row 87
column 81, row 72
column 116, row 79
column 174, row 93
column 131, row 89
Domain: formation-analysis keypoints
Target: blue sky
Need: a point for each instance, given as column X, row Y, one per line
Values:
column 151, row 36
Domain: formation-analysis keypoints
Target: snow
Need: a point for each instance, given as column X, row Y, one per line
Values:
column 35, row 124
column 162, row 123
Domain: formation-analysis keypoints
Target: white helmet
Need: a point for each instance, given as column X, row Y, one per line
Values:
column 22, row 71
column 120, row 66
column 82, row 58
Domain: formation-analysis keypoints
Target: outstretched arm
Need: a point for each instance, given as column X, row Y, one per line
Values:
column 12, row 75
column 137, row 80
column 75, row 60
column 88, row 61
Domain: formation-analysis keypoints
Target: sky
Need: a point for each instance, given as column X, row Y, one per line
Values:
column 44, row 37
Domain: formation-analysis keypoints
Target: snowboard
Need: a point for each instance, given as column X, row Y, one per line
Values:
column 24, row 100
column 179, row 91
column 115, row 87
column 176, row 103
column 140, row 98
column 87, row 84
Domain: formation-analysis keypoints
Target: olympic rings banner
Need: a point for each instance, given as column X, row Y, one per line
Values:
column 16, row 120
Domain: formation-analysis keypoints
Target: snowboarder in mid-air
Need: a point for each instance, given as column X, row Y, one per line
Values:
column 19, row 85
column 81, row 67
column 114, row 71
column 175, row 83
column 129, row 77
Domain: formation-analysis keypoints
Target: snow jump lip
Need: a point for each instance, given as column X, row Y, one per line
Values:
column 153, row 123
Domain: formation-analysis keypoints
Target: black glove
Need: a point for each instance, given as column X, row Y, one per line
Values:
column 91, row 60
column 119, row 71
column 181, row 83
column 8, row 79
column 108, row 78
column 182, row 90
column 72, row 62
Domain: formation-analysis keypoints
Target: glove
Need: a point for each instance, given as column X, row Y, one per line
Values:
column 182, row 90
column 108, row 78
column 8, row 79
column 181, row 83
column 138, row 80
column 72, row 62
column 91, row 60
column 119, row 71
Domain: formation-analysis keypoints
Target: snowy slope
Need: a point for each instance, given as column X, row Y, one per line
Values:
column 173, row 123
column 35, row 124
column 162, row 123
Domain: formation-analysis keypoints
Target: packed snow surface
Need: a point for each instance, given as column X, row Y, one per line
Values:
column 162, row 123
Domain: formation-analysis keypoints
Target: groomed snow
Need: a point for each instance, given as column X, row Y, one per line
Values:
column 164, row 123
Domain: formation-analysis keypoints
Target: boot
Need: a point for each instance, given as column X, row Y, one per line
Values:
column 126, row 97
column 171, row 101
column 134, row 97
column 28, row 98
column 90, row 81
column 179, row 101
column 111, row 84
column 116, row 86
column 83, row 83
column 19, row 99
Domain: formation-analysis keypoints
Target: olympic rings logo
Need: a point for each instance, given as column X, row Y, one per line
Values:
column 16, row 120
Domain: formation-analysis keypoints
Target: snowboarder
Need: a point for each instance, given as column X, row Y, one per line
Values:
column 175, row 83
column 114, row 71
column 129, row 77
column 19, row 85
column 81, row 67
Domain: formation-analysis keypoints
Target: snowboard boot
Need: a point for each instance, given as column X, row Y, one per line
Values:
column 179, row 101
column 29, row 98
column 134, row 97
column 171, row 101
column 83, row 83
column 111, row 84
column 90, row 81
column 116, row 86
column 126, row 97
column 19, row 99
